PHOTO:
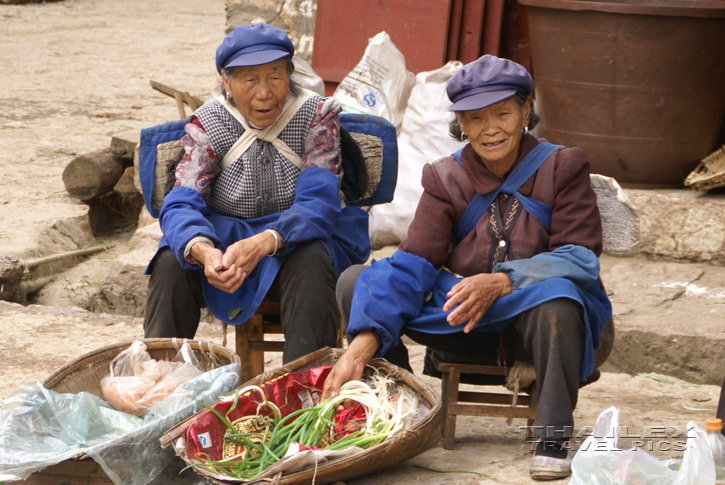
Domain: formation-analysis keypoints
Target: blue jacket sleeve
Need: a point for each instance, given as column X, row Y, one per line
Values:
column 388, row 294
column 574, row 263
column 183, row 217
column 315, row 211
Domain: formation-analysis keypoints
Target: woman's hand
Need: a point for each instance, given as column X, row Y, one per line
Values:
column 228, row 271
column 475, row 294
column 210, row 258
column 351, row 364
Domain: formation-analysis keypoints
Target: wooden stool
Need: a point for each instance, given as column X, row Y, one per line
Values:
column 250, row 343
column 487, row 403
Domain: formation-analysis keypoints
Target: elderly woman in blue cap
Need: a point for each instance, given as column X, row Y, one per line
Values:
column 501, row 258
column 255, row 207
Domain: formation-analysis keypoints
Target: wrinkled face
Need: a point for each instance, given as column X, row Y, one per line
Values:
column 259, row 91
column 495, row 132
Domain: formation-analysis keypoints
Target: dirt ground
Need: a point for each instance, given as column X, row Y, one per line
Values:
column 75, row 73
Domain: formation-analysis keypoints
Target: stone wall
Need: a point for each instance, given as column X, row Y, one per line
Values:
column 296, row 17
column 680, row 224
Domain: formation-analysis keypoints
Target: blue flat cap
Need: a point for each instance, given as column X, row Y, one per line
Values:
column 252, row 45
column 486, row 81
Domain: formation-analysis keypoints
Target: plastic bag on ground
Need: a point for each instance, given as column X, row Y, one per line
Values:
column 424, row 138
column 599, row 461
column 379, row 85
column 137, row 381
column 39, row 428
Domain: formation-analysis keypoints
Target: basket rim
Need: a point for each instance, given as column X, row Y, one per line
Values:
column 118, row 347
column 433, row 417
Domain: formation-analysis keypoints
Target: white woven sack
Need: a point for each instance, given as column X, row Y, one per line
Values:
column 424, row 138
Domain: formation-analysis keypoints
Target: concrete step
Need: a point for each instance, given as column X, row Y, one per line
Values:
column 670, row 318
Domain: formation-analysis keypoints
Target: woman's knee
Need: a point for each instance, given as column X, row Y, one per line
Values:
column 558, row 318
column 309, row 261
column 164, row 262
column 345, row 287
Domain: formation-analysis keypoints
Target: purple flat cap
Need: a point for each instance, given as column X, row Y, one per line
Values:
column 486, row 81
column 252, row 45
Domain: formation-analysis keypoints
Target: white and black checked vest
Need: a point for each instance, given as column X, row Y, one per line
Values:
column 262, row 180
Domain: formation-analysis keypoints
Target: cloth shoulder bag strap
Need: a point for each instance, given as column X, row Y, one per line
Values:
column 268, row 134
column 523, row 171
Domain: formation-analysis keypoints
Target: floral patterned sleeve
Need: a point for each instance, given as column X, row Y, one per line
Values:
column 200, row 164
column 322, row 144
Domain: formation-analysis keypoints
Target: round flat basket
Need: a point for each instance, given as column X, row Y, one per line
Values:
column 421, row 436
column 85, row 373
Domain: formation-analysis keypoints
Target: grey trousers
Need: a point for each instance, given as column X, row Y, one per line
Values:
column 305, row 286
column 551, row 336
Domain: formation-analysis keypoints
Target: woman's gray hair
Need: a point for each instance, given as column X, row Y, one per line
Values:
column 294, row 88
column 455, row 129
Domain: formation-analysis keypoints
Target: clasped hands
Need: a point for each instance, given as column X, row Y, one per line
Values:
column 227, row 271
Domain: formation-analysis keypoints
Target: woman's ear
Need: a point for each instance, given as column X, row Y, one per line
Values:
column 526, row 110
column 225, row 85
column 460, row 121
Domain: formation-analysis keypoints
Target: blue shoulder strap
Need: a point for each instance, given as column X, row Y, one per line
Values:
column 523, row 171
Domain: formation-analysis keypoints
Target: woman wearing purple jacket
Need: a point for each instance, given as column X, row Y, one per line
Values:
column 501, row 257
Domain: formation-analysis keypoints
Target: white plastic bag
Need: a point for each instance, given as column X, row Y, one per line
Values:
column 424, row 139
column 599, row 461
column 137, row 381
column 379, row 85
column 306, row 77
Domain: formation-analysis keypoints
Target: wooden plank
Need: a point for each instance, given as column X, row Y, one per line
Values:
column 493, row 19
column 515, row 40
column 171, row 92
column 491, row 398
column 454, row 29
column 269, row 306
column 188, row 99
column 272, row 328
column 256, row 335
column 469, row 41
column 450, row 393
column 266, row 346
column 70, row 472
column 180, row 104
column 492, row 411
column 241, row 341
column 494, row 370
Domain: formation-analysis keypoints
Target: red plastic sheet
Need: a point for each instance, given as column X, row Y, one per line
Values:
column 290, row 392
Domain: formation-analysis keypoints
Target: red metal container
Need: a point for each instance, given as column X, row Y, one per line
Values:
column 639, row 85
column 418, row 28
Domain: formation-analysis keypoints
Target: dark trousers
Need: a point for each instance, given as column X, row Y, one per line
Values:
column 305, row 286
column 551, row 336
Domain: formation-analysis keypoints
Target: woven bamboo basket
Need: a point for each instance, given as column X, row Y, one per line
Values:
column 709, row 173
column 85, row 373
column 423, row 435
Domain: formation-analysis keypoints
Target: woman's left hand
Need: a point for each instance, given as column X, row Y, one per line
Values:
column 247, row 253
column 475, row 294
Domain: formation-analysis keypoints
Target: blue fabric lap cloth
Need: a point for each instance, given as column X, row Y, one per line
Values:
column 315, row 214
column 406, row 291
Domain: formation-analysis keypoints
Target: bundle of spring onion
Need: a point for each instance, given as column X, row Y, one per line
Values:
column 388, row 410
